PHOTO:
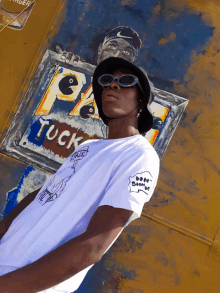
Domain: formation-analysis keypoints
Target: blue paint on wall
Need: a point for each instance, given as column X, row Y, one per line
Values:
column 93, row 279
column 83, row 34
column 11, row 201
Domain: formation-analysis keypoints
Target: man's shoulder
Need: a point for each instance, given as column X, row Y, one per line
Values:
column 145, row 147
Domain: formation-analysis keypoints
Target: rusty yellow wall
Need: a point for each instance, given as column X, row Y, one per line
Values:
column 174, row 246
column 19, row 50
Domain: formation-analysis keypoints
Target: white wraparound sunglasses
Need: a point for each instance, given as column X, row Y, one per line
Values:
column 127, row 80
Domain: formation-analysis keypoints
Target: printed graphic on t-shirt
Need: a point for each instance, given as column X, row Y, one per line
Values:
column 141, row 182
column 57, row 183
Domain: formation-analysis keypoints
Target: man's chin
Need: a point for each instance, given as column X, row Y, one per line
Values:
column 116, row 116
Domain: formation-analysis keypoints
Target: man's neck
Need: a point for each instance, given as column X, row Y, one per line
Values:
column 120, row 133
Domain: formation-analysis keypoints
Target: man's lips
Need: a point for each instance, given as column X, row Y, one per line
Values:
column 109, row 98
column 110, row 95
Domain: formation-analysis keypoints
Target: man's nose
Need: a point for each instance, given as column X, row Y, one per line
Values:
column 116, row 53
column 114, row 85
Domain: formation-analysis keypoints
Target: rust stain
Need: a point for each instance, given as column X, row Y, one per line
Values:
column 128, row 2
column 156, row 11
column 167, row 39
column 82, row 16
column 88, row 6
column 117, row 282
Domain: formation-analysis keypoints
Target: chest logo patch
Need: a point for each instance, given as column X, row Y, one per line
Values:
column 141, row 182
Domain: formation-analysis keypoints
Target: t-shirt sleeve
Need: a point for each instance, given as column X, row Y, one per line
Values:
column 133, row 181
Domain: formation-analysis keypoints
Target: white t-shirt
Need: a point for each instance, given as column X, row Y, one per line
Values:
column 118, row 172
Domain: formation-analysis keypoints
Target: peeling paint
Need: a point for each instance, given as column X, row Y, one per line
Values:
column 12, row 196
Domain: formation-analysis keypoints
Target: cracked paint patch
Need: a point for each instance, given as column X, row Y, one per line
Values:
column 11, row 199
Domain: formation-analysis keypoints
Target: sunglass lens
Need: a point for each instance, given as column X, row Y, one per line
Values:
column 126, row 80
column 105, row 79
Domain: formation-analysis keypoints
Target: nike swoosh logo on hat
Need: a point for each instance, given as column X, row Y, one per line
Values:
column 120, row 36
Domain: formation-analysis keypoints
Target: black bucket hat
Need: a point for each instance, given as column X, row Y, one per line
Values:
column 109, row 65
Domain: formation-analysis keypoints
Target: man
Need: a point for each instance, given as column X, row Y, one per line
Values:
column 50, row 241
column 121, row 41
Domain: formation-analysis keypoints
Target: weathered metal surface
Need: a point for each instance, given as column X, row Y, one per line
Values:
column 168, row 248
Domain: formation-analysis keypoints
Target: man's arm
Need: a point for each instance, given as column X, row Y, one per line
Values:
column 71, row 257
column 7, row 220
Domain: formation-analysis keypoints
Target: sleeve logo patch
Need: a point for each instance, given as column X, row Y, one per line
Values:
column 141, row 182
